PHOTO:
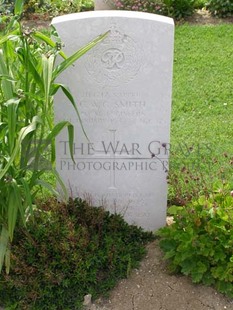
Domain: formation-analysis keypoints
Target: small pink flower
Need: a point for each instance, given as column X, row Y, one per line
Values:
column 231, row 193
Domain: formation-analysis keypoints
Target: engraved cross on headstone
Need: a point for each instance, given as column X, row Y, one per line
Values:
column 111, row 153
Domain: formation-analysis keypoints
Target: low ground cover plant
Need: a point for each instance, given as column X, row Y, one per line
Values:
column 200, row 242
column 179, row 8
column 68, row 251
column 220, row 8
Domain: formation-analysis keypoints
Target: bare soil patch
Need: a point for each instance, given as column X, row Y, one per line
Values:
column 153, row 287
column 203, row 17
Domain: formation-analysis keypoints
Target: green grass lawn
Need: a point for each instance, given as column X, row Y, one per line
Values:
column 202, row 106
column 203, row 84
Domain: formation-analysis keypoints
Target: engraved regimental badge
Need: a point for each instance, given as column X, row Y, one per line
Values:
column 114, row 61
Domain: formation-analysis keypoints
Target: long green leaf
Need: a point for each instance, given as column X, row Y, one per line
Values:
column 47, row 186
column 13, row 24
column 14, row 205
column 18, row 7
column 4, row 240
column 69, row 61
column 7, row 86
column 12, row 106
column 61, row 184
column 49, row 41
column 8, row 259
column 23, row 133
column 9, row 36
column 31, row 63
column 70, row 128
column 68, row 94
column 7, row 77
column 28, row 198
column 47, row 65
column 56, row 130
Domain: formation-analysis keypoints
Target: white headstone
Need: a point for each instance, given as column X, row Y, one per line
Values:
column 123, row 91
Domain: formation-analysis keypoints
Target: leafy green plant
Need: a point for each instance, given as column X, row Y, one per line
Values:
column 149, row 6
column 68, row 251
column 6, row 6
column 46, row 8
column 87, row 5
column 53, row 7
column 28, row 73
column 199, row 4
column 174, row 8
column 221, row 8
column 178, row 8
column 57, row 7
column 200, row 242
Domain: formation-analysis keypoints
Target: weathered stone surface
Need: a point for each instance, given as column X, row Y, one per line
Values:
column 123, row 91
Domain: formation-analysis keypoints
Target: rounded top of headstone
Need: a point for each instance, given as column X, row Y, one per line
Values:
column 112, row 13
